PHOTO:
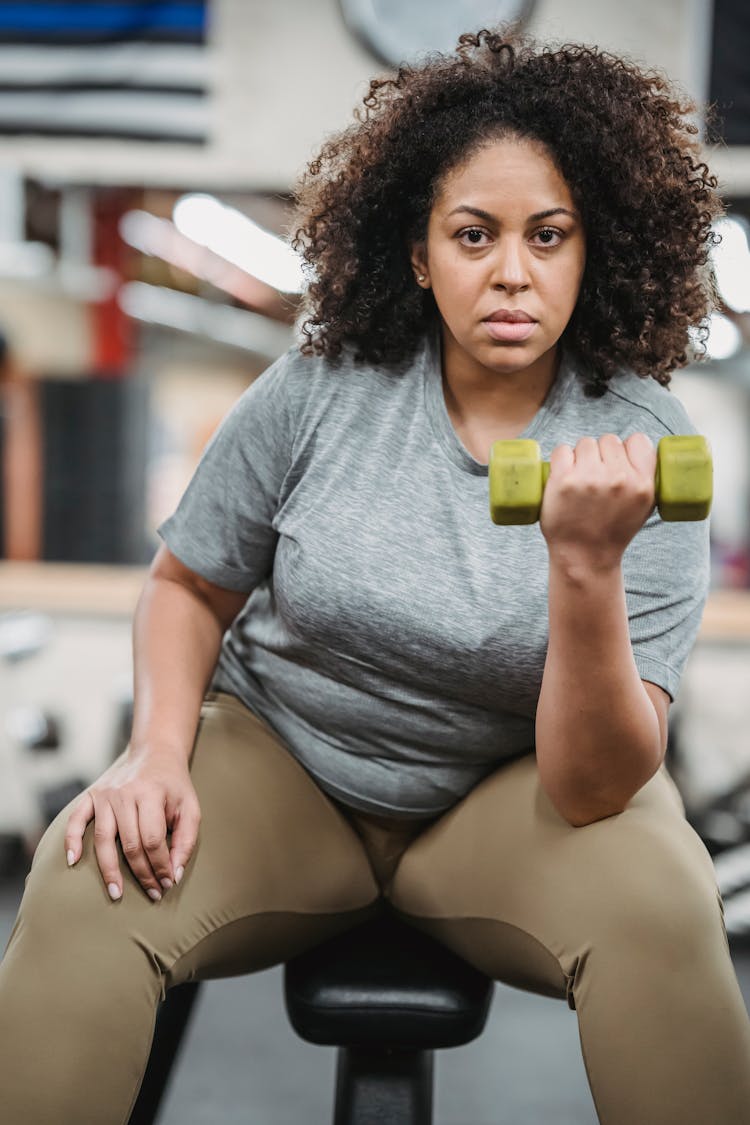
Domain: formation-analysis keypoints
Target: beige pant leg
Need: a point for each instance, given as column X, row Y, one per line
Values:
column 276, row 869
column 621, row 917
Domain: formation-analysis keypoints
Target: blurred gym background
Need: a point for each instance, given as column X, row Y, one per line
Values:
column 147, row 153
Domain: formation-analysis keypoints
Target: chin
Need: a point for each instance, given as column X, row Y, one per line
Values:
column 509, row 357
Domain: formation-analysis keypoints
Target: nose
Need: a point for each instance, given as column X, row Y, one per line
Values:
column 510, row 269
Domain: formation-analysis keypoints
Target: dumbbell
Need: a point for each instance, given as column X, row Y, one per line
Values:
column 684, row 480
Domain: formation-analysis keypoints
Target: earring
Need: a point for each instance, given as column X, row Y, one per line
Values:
column 420, row 277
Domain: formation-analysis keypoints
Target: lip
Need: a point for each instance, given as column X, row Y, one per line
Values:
column 510, row 331
column 509, row 316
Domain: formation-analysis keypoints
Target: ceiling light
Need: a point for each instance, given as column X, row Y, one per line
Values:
column 724, row 337
column 731, row 259
column 237, row 239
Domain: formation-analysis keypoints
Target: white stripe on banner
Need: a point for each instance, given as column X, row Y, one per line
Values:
column 105, row 111
column 153, row 64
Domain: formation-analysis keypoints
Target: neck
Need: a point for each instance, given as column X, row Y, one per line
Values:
column 476, row 392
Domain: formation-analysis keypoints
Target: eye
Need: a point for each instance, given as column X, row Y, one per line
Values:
column 549, row 236
column 471, row 236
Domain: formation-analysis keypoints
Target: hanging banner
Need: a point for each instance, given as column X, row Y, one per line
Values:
column 130, row 69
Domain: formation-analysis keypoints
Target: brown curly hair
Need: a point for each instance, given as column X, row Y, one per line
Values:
column 619, row 135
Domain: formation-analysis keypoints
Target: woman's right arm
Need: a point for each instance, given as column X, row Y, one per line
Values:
column 179, row 622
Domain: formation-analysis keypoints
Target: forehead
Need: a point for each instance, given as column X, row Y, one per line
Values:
column 512, row 172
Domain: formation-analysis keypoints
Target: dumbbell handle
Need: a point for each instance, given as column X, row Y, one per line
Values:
column 683, row 483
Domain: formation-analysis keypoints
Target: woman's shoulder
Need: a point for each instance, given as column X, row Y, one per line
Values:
column 655, row 404
column 347, row 367
column 314, row 390
column 631, row 403
column 293, row 380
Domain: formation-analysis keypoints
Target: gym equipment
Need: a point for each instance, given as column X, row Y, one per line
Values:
column 684, row 480
column 722, row 820
column 385, row 994
column 724, row 827
column 30, row 739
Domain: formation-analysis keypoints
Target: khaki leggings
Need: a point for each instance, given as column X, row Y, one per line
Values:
column 621, row 918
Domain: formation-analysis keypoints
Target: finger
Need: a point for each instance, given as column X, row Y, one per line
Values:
column 641, row 454
column 613, row 452
column 184, row 836
column 561, row 460
column 587, row 453
column 105, row 830
column 133, row 848
column 82, row 813
column 153, row 829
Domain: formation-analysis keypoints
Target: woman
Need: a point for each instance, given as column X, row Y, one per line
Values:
column 410, row 704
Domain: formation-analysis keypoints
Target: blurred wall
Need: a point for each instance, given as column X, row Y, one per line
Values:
column 287, row 72
column 64, row 347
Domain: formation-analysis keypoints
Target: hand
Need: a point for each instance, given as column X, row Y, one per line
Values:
column 139, row 798
column 597, row 497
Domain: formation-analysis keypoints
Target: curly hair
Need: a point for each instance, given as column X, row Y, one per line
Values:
column 620, row 137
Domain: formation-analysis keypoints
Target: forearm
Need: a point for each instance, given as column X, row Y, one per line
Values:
column 598, row 739
column 176, row 643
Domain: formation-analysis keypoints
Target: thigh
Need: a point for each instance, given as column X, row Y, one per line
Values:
column 275, row 867
column 508, row 883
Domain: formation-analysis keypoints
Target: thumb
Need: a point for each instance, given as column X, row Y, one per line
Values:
column 184, row 837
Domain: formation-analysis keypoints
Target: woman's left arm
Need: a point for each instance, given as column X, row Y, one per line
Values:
column 600, row 729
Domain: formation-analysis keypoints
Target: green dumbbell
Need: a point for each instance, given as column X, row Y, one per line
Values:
column 684, row 480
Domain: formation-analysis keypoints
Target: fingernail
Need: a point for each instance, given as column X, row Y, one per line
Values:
column 71, row 858
column 154, row 894
column 178, row 874
column 166, row 883
column 114, row 890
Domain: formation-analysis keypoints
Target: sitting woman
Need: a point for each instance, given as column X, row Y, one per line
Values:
column 352, row 690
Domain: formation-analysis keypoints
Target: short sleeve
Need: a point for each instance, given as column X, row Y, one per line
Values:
column 223, row 526
column 667, row 572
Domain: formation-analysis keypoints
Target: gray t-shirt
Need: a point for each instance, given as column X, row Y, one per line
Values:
column 395, row 637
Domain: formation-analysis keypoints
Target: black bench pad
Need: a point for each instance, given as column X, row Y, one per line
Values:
column 385, row 984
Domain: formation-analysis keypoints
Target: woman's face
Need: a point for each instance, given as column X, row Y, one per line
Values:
column 504, row 257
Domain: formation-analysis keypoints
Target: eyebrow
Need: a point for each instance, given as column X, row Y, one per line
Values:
column 535, row 218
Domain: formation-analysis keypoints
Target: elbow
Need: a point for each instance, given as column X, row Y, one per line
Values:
column 579, row 806
column 585, row 796
column 579, row 818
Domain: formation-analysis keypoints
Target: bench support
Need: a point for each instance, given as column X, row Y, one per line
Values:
column 383, row 1087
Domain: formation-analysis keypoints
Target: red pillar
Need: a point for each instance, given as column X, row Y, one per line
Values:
column 111, row 329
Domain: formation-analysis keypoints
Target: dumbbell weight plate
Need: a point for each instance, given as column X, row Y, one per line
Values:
column 517, row 478
column 684, row 478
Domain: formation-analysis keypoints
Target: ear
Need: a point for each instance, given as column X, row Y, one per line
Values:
column 418, row 258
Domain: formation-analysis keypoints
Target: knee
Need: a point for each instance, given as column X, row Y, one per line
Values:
column 59, row 900
column 69, row 933
column 667, row 908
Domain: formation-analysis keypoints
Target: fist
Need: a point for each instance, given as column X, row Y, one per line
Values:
column 598, row 496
